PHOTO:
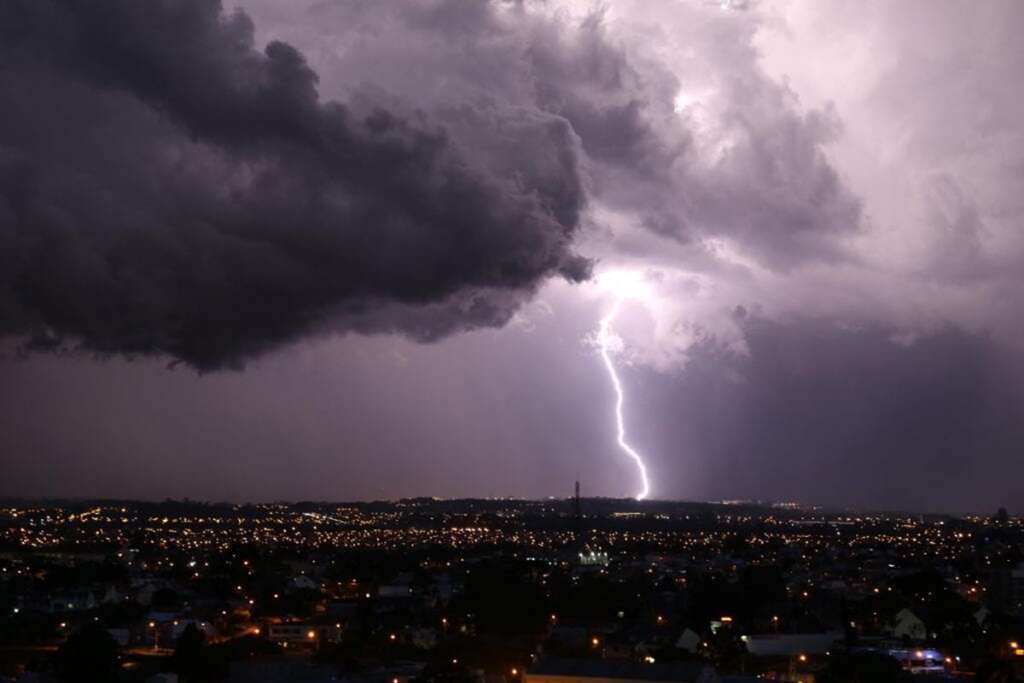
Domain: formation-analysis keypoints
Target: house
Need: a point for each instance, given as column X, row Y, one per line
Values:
column 302, row 633
column 73, row 601
column 278, row 669
column 790, row 644
column 906, row 624
column 163, row 678
column 303, row 582
column 112, row 596
column 689, row 640
column 423, row 638
column 296, row 633
column 400, row 587
column 121, row 636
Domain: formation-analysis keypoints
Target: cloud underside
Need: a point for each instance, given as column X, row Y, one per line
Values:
column 165, row 187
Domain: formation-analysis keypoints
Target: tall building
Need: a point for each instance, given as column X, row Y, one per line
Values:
column 1006, row 589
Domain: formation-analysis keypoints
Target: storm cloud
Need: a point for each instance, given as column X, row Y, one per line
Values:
column 821, row 412
column 204, row 201
column 820, row 204
column 165, row 187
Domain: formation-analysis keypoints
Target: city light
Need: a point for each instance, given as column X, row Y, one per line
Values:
column 529, row 532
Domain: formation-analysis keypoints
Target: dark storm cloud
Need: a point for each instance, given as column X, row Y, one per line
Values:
column 746, row 162
column 167, row 188
column 846, row 176
column 824, row 412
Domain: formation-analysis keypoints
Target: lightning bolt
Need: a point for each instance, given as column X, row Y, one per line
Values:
column 604, row 338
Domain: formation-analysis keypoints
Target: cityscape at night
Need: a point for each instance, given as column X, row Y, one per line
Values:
column 511, row 341
column 512, row 591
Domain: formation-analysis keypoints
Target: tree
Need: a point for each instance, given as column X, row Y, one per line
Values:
column 503, row 599
column 165, row 600
column 996, row 671
column 863, row 668
column 90, row 654
column 191, row 660
column 1002, row 517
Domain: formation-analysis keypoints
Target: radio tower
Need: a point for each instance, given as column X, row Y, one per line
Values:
column 580, row 546
column 578, row 509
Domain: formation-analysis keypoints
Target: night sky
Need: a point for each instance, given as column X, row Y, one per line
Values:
column 352, row 249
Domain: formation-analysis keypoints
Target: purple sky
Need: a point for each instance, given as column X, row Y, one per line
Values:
column 337, row 249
